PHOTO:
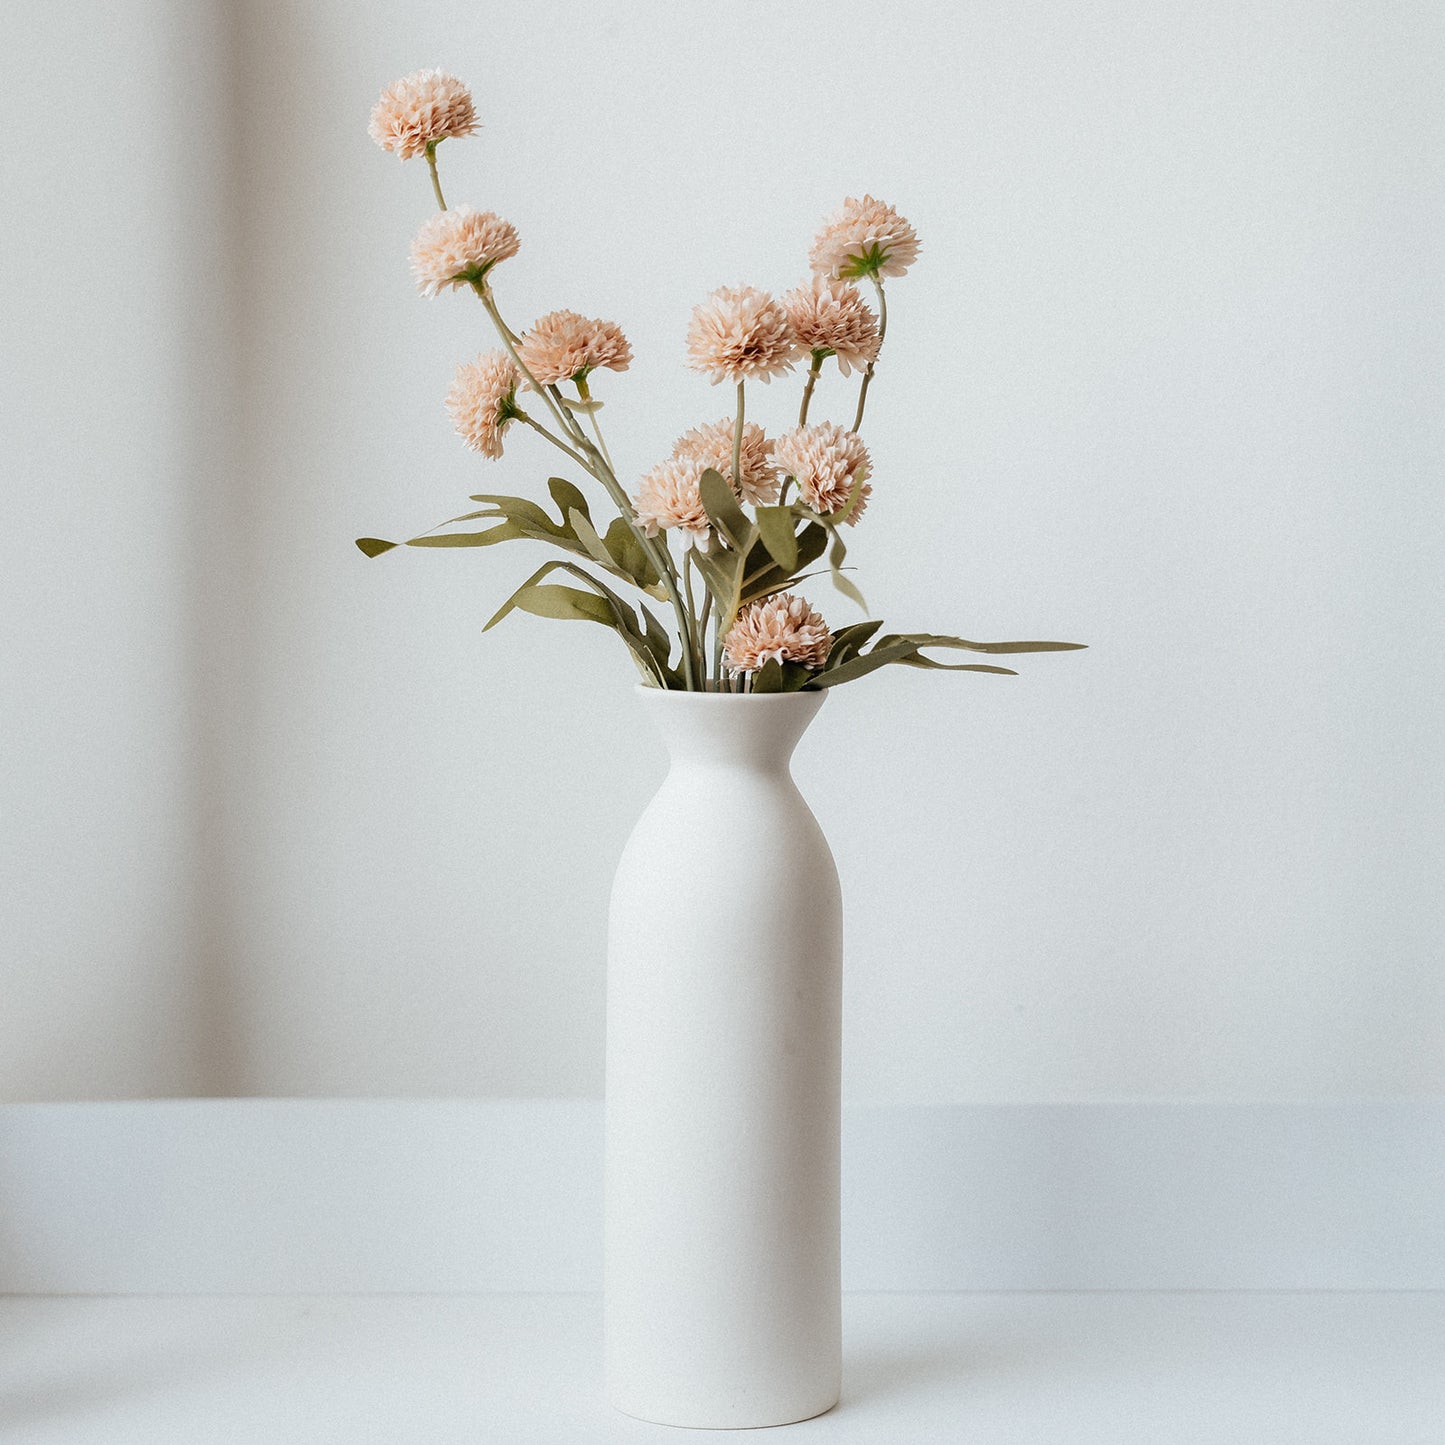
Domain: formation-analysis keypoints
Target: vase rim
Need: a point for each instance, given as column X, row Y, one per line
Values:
column 818, row 694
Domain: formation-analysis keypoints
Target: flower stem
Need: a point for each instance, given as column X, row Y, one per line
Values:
column 587, row 456
column 585, row 393
column 700, row 622
column 555, row 440
column 594, row 462
column 737, row 477
column 882, row 332
column 436, row 185
column 484, row 293
column 738, row 488
column 813, row 373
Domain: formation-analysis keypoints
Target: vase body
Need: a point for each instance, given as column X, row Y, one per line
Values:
column 723, row 1083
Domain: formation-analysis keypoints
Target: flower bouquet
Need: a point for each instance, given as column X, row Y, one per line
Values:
column 720, row 532
column 724, row 1032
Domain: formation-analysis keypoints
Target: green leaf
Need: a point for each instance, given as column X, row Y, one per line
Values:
column 503, row 532
column 619, row 616
column 586, row 533
column 374, row 546
column 567, row 603
column 775, row 527
column 863, row 664
column 836, row 555
column 775, row 676
column 929, row 639
column 811, row 542
column 848, row 641
column 769, row 677
column 723, row 510
column 567, row 497
column 720, row 572
column 919, row 660
column 764, row 577
column 630, row 555
column 905, row 649
column 522, row 510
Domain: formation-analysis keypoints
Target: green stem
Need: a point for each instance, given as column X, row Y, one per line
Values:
column 699, row 640
column 596, row 464
column 555, row 440
column 559, row 413
column 717, row 666
column 737, row 478
column 738, row 488
column 813, row 373
column 587, row 456
column 585, row 393
column 702, row 624
column 436, row 185
column 882, row 332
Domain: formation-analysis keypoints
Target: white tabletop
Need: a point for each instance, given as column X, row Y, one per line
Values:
column 1067, row 1369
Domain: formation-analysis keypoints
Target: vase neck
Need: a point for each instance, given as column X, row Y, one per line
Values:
column 731, row 730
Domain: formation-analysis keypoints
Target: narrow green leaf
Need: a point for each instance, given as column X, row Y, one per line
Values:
column 723, row 510
column 503, row 532
column 845, row 585
column 521, row 510
column 811, row 542
column 568, row 497
column 374, row 546
column 567, row 603
column 629, row 554
column 610, row 610
column 586, row 533
column 917, row 659
column 848, row 641
column 769, row 677
column 929, row 639
column 719, row 570
column 775, row 527
column 863, row 664
column 775, row 676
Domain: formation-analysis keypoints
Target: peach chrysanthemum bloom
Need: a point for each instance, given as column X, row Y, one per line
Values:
column 827, row 462
column 459, row 246
column 563, row 346
column 482, row 401
column 419, row 110
column 740, row 334
column 713, row 446
column 782, row 626
column 830, row 318
column 670, row 495
column 863, row 238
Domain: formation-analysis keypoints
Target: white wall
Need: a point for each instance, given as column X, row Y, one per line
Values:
column 1165, row 381
column 113, row 402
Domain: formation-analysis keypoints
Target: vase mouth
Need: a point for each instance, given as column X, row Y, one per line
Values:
column 645, row 689
column 748, row 729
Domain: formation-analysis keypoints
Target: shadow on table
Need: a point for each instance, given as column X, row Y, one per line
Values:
column 876, row 1371
column 57, row 1369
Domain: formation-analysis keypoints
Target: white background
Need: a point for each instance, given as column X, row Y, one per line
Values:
column 277, row 819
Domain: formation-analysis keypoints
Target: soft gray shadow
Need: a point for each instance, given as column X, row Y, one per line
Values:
column 982, row 1346
column 57, row 1368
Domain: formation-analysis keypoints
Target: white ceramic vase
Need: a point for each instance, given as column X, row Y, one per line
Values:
column 723, row 1042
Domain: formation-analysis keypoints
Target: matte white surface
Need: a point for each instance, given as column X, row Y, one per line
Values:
column 721, row 1244
column 1165, row 380
column 438, row 1195
column 112, row 392
column 923, row 1369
